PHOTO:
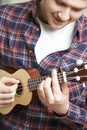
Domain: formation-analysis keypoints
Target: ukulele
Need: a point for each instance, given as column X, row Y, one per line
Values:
column 29, row 83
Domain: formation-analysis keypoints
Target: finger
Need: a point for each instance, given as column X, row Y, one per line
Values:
column 8, row 89
column 6, row 96
column 9, row 80
column 5, row 102
column 40, row 91
column 48, row 90
column 55, row 83
column 5, row 105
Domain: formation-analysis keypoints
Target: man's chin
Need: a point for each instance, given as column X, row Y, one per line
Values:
column 55, row 27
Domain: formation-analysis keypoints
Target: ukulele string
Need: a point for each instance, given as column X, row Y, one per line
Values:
column 36, row 81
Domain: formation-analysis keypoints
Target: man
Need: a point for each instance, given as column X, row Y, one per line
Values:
column 51, row 36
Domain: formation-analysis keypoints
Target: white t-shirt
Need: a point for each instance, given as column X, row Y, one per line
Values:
column 51, row 41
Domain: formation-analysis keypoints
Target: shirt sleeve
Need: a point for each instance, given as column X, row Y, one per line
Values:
column 77, row 114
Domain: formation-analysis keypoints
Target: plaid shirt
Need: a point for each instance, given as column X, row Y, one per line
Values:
column 19, row 32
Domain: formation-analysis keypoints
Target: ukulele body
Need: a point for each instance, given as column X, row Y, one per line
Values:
column 23, row 95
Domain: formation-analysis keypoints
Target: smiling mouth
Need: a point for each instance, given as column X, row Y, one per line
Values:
column 59, row 21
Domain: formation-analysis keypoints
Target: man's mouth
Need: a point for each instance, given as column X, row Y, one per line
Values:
column 58, row 21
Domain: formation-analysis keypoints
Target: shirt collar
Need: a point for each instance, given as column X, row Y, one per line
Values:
column 33, row 9
column 78, row 31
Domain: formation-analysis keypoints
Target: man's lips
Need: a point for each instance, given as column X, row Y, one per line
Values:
column 58, row 20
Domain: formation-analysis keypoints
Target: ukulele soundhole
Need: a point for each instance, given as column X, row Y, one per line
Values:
column 19, row 90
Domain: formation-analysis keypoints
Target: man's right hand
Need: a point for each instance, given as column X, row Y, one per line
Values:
column 8, row 87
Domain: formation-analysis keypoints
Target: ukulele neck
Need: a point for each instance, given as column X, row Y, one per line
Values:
column 34, row 82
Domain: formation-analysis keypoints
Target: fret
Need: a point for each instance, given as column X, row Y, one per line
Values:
column 34, row 82
column 62, row 77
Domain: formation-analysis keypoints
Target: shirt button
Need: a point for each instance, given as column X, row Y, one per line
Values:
column 27, row 125
column 37, row 29
column 30, row 52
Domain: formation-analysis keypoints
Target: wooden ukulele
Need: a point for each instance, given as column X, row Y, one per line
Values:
column 29, row 83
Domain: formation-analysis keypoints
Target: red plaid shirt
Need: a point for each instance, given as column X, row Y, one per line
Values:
column 19, row 33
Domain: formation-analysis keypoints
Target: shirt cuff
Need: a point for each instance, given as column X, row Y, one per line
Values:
column 77, row 114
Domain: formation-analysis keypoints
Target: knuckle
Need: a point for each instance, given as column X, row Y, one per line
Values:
column 12, row 100
column 10, row 90
column 50, row 101
column 12, row 95
column 58, row 98
column 48, row 79
column 54, row 84
column 39, row 89
column 45, row 87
